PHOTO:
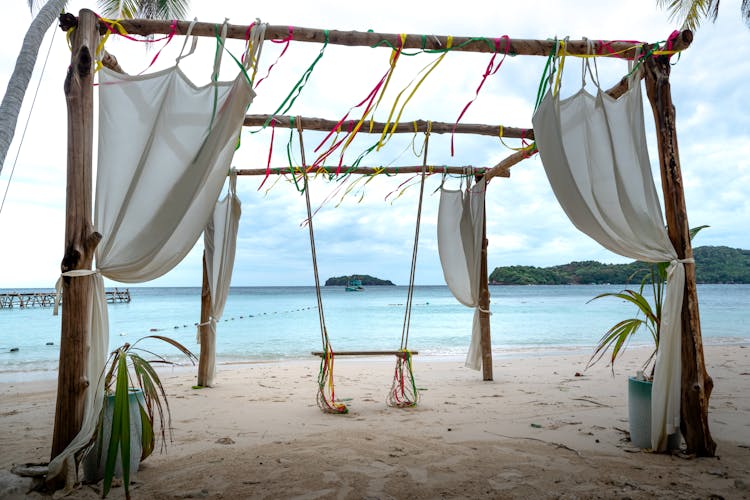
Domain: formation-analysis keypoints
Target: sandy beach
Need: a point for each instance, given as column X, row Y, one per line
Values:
column 544, row 428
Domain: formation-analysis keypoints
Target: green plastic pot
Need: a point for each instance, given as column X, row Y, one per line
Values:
column 93, row 463
column 639, row 415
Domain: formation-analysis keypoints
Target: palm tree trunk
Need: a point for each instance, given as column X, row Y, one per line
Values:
column 19, row 80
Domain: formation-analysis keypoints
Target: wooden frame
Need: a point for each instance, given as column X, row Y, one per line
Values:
column 80, row 240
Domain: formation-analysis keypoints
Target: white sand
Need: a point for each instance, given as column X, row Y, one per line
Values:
column 537, row 431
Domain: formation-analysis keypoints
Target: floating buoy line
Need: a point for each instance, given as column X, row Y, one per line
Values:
column 193, row 325
column 231, row 318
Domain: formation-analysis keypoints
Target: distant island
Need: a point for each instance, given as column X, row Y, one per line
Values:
column 714, row 265
column 366, row 280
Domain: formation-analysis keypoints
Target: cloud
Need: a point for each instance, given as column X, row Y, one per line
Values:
column 374, row 235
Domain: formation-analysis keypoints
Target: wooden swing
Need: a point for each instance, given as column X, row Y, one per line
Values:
column 403, row 392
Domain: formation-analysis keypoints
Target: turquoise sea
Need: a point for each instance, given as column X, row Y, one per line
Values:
column 275, row 323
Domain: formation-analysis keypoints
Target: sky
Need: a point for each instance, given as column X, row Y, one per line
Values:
column 369, row 229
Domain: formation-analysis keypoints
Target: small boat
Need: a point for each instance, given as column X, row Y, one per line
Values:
column 354, row 286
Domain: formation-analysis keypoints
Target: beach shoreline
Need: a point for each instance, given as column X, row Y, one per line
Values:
column 544, row 428
column 499, row 352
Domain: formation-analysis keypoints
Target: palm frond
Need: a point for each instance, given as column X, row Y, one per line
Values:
column 118, row 9
column 184, row 350
column 145, row 9
column 119, row 440
column 745, row 11
column 690, row 13
column 154, row 394
column 148, row 438
column 615, row 338
column 696, row 230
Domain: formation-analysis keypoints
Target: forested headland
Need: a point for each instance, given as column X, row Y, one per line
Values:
column 714, row 264
column 366, row 280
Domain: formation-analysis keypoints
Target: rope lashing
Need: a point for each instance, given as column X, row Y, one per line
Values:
column 403, row 393
column 326, row 396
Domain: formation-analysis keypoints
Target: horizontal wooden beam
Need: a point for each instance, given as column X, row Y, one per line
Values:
column 410, row 169
column 493, row 43
column 403, row 127
column 502, row 169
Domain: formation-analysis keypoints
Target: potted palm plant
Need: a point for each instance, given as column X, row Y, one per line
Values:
column 135, row 400
column 648, row 316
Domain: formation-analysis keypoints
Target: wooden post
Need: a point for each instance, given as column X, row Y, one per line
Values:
column 80, row 238
column 696, row 383
column 484, row 305
column 208, row 345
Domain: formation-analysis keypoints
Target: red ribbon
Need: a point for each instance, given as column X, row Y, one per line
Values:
column 491, row 70
column 270, row 152
column 286, row 41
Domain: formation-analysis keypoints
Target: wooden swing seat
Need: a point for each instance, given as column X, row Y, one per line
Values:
column 400, row 354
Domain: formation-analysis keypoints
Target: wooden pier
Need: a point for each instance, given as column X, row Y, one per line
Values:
column 23, row 300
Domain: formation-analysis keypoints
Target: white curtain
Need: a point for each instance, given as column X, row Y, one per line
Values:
column 460, row 224
column 220, row 241
column 165, row 147
column 594, row 152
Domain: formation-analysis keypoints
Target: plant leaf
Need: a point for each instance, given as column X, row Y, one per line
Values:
column 696, row 230
column 120, row 437
column 148, row 439
column 184, row 350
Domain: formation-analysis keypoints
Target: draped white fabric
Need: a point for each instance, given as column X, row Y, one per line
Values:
column 594, row 152
column 460, row 223
column 170, row 174
column 165, row 147
column 97, row 357
column 220, row 241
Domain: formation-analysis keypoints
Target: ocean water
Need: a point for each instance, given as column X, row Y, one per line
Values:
column 275, row 323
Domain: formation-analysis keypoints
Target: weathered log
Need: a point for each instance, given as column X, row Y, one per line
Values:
column 403, row 127
column 331, row 170
column 681, row 42
column 696, row 385
column 371, row 39
column 502, row 169
column 208, row 345
column 110, row 61
column 484, row 307
column 80, row 238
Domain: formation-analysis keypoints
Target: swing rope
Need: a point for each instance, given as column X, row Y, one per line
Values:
column 326, row 395
column 403, row 393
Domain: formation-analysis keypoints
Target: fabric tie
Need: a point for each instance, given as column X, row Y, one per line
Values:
column 59, row 285
column 674, row 262
column 198, row 326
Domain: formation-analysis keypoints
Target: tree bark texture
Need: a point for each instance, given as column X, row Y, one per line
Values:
column 80, row 238
column 409, row 127
column 22, row 71
column 696, row 385
column 404, row 169
column 487, row 44
column 208, row 348
column 484, row 305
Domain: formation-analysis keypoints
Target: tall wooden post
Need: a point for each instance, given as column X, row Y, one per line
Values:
column 208, row 345
column 696, row 383
column 484, row 305
column 80, row 238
